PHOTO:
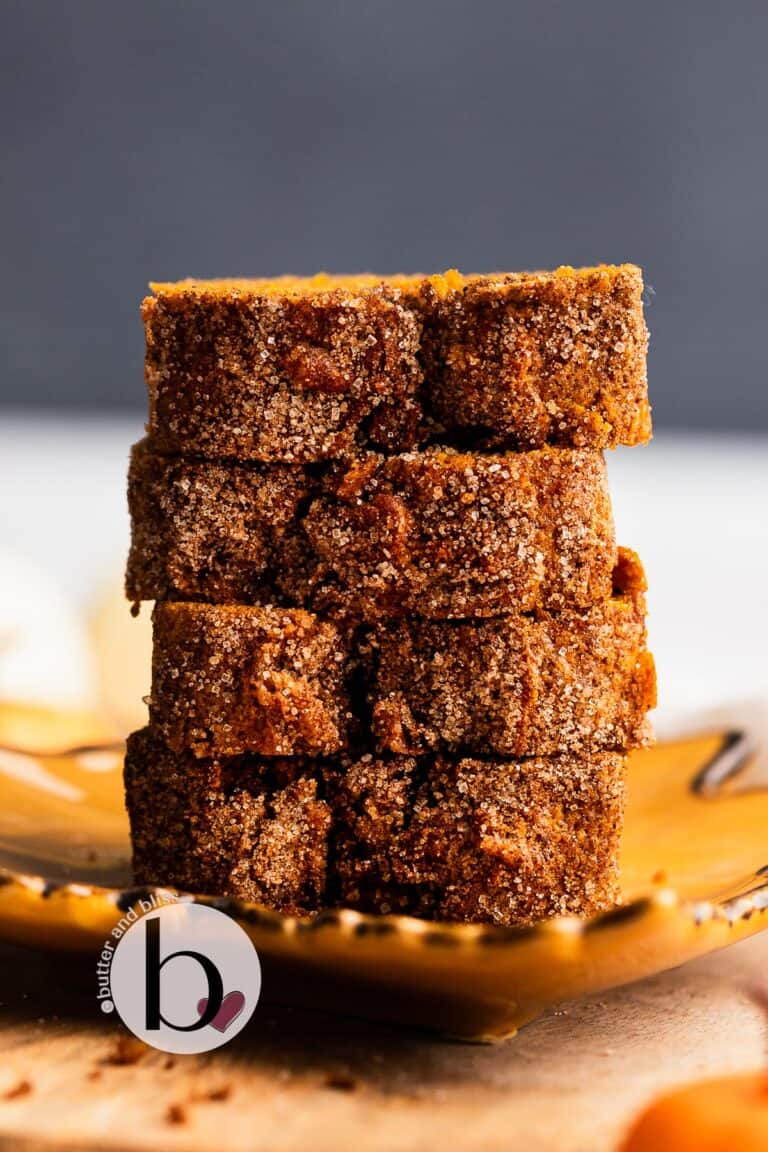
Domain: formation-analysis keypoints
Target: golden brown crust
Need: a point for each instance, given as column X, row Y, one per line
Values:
column 448, row 534
column 227, row 680
column 439, row 533
column 207, row 531
column 302, row 370
column 500, row 658
column 279, row 377
column 535, row 359
column 253, row 829
column 233, row 679
column 514, row 685
column 503, row 841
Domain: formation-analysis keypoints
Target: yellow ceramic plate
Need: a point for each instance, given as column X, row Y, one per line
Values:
column 694, row 874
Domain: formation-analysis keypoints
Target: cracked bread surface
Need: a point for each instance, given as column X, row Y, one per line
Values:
column 498, row 841
column 227, row 680
column 516, row 685
column 319, row 368
column 396, row 680
column 533, row 358
column 443, row 533
column 241, row 827
column 253, row 371
column 438, row 533
column 201, row 530
column 231, row 679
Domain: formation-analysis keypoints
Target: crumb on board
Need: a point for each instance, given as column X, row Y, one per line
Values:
column 16, row 1091
column 126, row 1050
column 212, row 1095
column 177, row 1113
column 340, row 1081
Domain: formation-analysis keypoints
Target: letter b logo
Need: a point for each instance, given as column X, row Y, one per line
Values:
column 185, row 978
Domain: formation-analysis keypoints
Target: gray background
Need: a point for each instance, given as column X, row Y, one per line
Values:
column 161, row 138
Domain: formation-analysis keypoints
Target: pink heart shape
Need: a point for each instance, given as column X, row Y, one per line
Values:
column 231, row 1007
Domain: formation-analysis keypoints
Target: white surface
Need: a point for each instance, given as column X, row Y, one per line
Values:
column 45, row 653
column 695, row 509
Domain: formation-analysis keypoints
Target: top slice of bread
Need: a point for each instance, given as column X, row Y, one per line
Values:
column 304, row 369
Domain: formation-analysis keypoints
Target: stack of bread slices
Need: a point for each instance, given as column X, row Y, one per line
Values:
column 398, row 657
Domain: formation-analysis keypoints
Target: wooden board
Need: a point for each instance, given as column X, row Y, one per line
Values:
column 298, row 1081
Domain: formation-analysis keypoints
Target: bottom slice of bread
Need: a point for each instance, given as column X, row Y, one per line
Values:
column 500, row 841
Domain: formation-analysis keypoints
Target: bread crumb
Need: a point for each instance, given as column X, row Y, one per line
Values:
column 17, row 1090
column 177, row 1114
column 341, row 1081
column 214, row 1095
column 126, row 1050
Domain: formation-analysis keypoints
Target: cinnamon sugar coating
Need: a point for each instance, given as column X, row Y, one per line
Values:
column 207, row 531
column 321, row 587
column 449, row 534
column 228, row 680
column 438, row 533
column 245, row 827
column 311, row 369
column 515, row 685
column 529, row 359
column 501, row 841
column 252, row 372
